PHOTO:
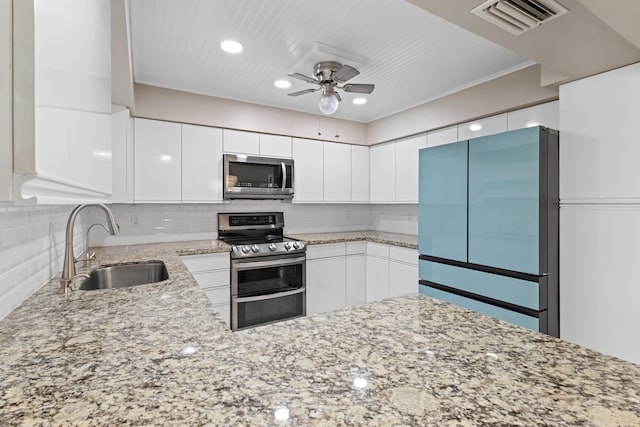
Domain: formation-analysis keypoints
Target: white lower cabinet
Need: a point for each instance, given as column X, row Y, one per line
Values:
column 326, row 278
column 356, row 273
column 377, row 272
column 212, row 273
column 391, row 271
column 403, row 271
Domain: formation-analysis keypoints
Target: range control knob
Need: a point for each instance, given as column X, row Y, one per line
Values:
column 245, row 249
column 298, row 245
column 272, row 246
column 255, row 248
column 287, row 246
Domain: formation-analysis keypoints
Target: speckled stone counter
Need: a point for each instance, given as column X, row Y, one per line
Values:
column 396, row 239
column 158, row 355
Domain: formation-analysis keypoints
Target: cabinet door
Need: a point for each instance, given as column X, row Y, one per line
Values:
column 236, row 141
column 547, row 115
column 201, row 164
column 403, row 278
column 377, row 278
column 442, row 136
column 337, row 172
column 308, row 170
column 356, row 293
column 442, row 212
column 359, row 173
column 275, row 145
column 326, row 286
column 157, row 161
column 504, row 195
column 382, row 173
column 482, row 127
column 407, row 168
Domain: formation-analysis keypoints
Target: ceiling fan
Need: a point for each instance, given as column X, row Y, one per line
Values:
column 328, row 76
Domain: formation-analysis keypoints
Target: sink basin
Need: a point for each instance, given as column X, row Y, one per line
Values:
column 125, row 275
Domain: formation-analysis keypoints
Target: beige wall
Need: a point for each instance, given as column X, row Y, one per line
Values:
column 6, row 100
column 166, row 104
column 515, row 90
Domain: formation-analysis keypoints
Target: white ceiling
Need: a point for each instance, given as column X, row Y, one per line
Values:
column 410, row 55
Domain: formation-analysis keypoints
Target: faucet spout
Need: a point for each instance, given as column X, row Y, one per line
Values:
column 69, row 266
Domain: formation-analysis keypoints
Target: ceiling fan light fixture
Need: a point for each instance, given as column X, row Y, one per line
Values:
column 359, row 101
column 231, row 46
column 328, row 103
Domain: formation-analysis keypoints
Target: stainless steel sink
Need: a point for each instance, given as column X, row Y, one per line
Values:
column 124, row 275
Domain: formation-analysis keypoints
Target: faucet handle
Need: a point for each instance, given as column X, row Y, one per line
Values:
column 66, row 284
column 86, row 259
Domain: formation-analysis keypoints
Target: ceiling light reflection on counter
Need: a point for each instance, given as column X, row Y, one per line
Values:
column 231, row 46
column 188, row 350
column 282, row 414
column 360, row 382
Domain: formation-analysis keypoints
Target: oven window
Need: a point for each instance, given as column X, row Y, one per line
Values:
column 269, row 280
column 270, row 310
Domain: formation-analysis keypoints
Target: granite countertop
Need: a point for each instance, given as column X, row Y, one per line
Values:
column 396, row 239
column 157, row 354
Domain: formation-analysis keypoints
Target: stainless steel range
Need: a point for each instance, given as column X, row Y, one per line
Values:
column 268, row 270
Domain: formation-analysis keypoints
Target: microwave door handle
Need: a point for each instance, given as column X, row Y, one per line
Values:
column 284, row 176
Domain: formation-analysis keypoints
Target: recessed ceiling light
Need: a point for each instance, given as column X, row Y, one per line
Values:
column 231, row 46
column 359, row 101
column 282, row 84
column 475, row 127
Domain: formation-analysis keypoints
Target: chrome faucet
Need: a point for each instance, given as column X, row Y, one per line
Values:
column 69, row 263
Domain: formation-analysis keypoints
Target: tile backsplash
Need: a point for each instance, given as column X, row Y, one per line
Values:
column 32, row 238
column 32, row 249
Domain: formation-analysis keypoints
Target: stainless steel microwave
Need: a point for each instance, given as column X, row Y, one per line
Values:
column 252, row 177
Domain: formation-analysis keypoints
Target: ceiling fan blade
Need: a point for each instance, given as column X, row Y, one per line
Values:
column 302, row 92
column 358, row 88
column 345, row 73
column 337, row 96
column 303, row 77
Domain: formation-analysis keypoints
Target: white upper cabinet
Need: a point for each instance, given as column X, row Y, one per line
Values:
column 62, row 101
column 157, row 161
column 337, row 172
column 240, row 142
column 382, row 173
column 359, row 173
column 546, row 115
column 599, row 138
column 308, row 156
column 482, row 127
column 407, row 168
column 442, row 136
column 201, row 164
column 275, row 145
column 122, row 158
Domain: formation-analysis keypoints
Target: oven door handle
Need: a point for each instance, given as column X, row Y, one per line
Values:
column 271, row 296
column 273, row 263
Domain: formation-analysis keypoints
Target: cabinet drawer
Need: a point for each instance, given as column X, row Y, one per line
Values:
column 406, row 255
column 212, row 279
column 378, row 249
column 514, row 291
column 528, row 322
column 356, row 248
column 206, row 262
column 217, row 296
column 326, row 251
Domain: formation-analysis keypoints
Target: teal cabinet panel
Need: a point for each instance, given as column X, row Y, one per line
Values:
column 514, row 291
column 442, row 211
column 523, row 320
column 504, row 201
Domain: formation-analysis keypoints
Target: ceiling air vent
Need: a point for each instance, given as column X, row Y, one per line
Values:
column 518, row 16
